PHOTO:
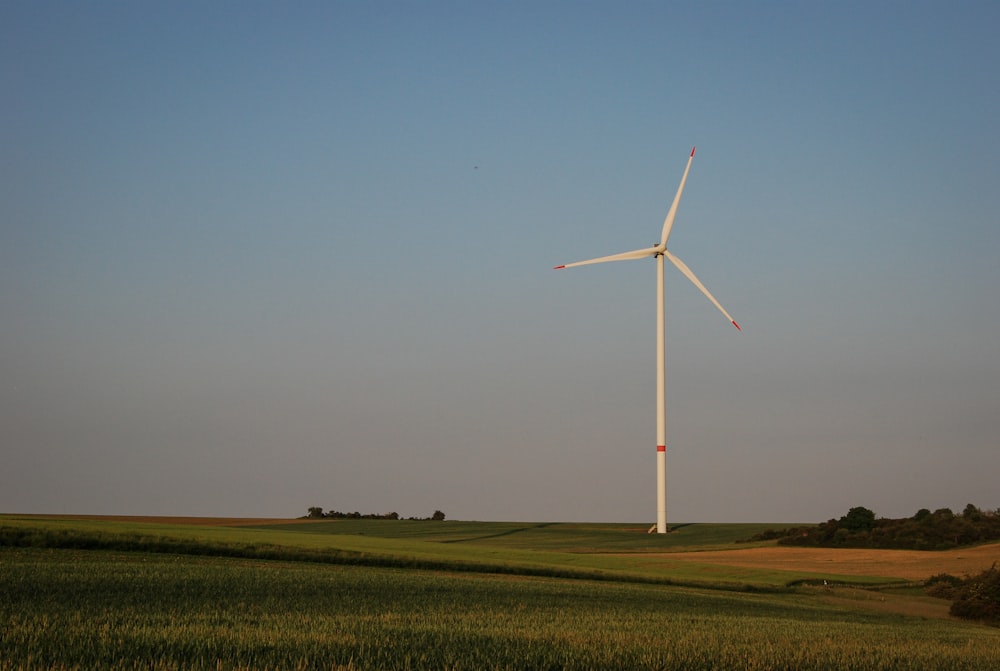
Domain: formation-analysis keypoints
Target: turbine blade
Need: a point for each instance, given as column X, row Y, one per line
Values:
column 668, row 223
column 624, row 256
column 681, row 266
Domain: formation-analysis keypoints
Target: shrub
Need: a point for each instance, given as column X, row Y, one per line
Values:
column 943, row 585
column 978, row 598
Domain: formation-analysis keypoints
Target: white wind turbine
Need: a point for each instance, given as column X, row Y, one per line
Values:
column 660, row 251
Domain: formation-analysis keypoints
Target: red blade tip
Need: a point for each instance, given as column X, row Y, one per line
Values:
column 737, row 326
column 558, row 267
column 692, row 150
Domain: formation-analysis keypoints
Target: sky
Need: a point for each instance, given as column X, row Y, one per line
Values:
column 258, row 256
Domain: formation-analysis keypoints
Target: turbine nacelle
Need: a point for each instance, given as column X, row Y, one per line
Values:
column 660, row 249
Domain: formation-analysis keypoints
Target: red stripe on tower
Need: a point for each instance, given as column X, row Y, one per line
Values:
column 661, row 448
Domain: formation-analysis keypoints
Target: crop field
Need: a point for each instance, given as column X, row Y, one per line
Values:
column 146, row 606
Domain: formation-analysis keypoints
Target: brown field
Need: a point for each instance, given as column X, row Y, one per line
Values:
column 905, row 564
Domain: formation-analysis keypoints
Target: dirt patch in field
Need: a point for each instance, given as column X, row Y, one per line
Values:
column 906, row 564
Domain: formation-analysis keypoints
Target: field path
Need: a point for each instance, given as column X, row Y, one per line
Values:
column 907, row 564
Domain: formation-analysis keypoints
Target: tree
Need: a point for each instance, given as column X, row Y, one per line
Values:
column 858, row 519
column 315, row 512
column 980, row 598
column 939, row 530
column 438, row 516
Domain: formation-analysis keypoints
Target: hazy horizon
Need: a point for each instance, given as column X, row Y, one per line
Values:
column 259, row 257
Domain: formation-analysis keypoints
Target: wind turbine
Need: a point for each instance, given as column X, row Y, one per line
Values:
column 659, row 251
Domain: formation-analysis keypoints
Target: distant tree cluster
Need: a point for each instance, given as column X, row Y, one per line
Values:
column 317, row 513
column 973, row 597
column 926, row 530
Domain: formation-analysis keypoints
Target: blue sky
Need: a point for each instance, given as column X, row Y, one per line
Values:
column 256, row 257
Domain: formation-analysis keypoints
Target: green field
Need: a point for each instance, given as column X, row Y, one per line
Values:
column 572, row 550
column 454, row 595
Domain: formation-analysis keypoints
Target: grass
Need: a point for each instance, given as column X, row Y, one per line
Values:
column 104, row 610
column 567, row 550
column 560, row 537
column 450, row 595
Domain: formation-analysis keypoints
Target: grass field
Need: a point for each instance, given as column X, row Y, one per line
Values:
column 660, row 607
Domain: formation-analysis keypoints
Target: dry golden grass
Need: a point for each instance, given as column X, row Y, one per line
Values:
column 905, row 564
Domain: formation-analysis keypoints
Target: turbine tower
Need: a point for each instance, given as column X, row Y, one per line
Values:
column 659, row 252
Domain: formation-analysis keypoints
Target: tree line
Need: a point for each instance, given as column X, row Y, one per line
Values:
column 316, row 513
column 926, row 530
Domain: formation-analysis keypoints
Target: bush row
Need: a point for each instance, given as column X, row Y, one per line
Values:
column 926, row 530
